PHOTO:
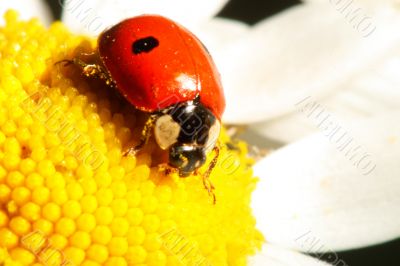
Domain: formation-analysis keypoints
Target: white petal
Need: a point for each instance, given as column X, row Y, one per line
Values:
column 320, row 194
column 27, row 9
column 308, row 50
column 92, row 16
column 337, row 4
column 373, row 92
column 275, row 256
column 285, row 129
column 217, row 33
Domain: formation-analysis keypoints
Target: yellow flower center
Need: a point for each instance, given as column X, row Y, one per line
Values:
column 68, row 196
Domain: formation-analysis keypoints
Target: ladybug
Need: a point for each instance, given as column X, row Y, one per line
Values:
column 163, row 69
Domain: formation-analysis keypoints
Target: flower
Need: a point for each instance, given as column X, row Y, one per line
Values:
column 69, row 197
column 322, row 75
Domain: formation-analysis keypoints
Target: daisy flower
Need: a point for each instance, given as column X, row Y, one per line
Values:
column 316, row 85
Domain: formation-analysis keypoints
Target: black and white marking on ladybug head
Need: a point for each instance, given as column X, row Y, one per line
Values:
column 166, row 131
column 189, row 130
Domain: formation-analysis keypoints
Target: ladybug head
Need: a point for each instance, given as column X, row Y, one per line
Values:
column 189, row 131
column 186, row 158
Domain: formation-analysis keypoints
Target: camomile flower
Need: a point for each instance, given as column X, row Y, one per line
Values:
column 316, row 85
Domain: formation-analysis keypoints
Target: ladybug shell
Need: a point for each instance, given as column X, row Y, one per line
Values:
column 157, row 63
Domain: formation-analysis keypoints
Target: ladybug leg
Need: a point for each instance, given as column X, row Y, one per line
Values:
column 91, row 70
column 146, row 133
column 210, row 188
column 206, row 176
column 164, row 167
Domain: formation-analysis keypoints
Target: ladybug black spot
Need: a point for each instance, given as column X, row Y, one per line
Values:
column 144, row 45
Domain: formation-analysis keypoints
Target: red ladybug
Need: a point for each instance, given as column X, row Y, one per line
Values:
column 163, row 69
